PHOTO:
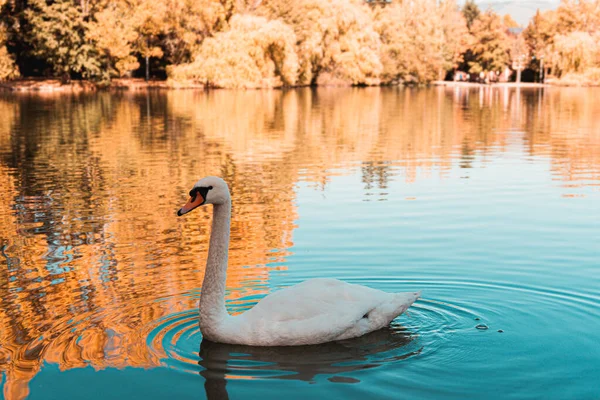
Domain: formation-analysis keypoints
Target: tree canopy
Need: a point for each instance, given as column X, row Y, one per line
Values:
column 224, row 60
column 471, row 12
column 491, row 46
column 567, row 37
column 8, row 68
column 273, row 43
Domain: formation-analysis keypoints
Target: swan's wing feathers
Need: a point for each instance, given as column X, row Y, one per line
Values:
column 320, row 296
column 323, row 308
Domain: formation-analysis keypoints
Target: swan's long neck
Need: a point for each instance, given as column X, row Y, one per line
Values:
column 212, row 300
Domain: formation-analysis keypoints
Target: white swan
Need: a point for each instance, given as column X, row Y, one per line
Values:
column 314, row 311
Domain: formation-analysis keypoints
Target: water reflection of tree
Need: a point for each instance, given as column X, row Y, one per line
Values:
column 375, row 175
column 84, row 191
column 90, row 184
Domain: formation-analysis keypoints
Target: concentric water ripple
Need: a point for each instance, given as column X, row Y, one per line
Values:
column 430, row 327
column 177, row 341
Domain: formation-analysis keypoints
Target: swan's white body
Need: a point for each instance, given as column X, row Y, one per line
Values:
column 314, row 311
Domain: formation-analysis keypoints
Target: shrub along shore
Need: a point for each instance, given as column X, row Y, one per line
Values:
column 51, row 45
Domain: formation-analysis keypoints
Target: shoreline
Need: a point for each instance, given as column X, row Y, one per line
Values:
column 50, row 85
column 498, row 84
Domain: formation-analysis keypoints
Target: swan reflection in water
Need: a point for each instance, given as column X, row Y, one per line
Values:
column 224, row 361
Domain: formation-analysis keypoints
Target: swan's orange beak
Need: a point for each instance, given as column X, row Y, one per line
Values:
column 192, row 203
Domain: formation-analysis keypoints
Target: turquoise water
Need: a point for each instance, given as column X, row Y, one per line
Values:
column 486, row 200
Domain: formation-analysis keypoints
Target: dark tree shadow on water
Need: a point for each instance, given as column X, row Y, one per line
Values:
column 304, row 363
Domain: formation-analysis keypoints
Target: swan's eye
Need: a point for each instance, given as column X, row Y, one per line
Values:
column 194, row 193
column 210, row 188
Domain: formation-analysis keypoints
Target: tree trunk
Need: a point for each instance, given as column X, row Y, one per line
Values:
column 518, row 75
column 147, row 68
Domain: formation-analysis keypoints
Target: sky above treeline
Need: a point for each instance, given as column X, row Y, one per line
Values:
column 520, row 10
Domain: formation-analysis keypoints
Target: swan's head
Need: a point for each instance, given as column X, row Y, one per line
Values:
column 209, row 190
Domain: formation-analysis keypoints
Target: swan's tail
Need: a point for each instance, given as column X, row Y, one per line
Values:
column 417, row 296
column 398, row 304
column 407, row 298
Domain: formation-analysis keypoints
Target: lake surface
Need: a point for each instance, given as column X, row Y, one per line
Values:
column 487, row 200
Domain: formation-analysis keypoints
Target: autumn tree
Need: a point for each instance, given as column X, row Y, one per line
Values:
column 457, row 39
column 567, row 38
column 491, row 45
column 539, row 34
column 539, row 38
column 113, row 33
column 58, row 35
column 412, row 40
column 576, row 52
column 336, row 42
column 188, row 22
column 149, row 25
column 127, row 31
column 575, row 42
column 253, row 53
column 173, row 30
column 471, row 12
column 570, row 17
column 8, row 68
